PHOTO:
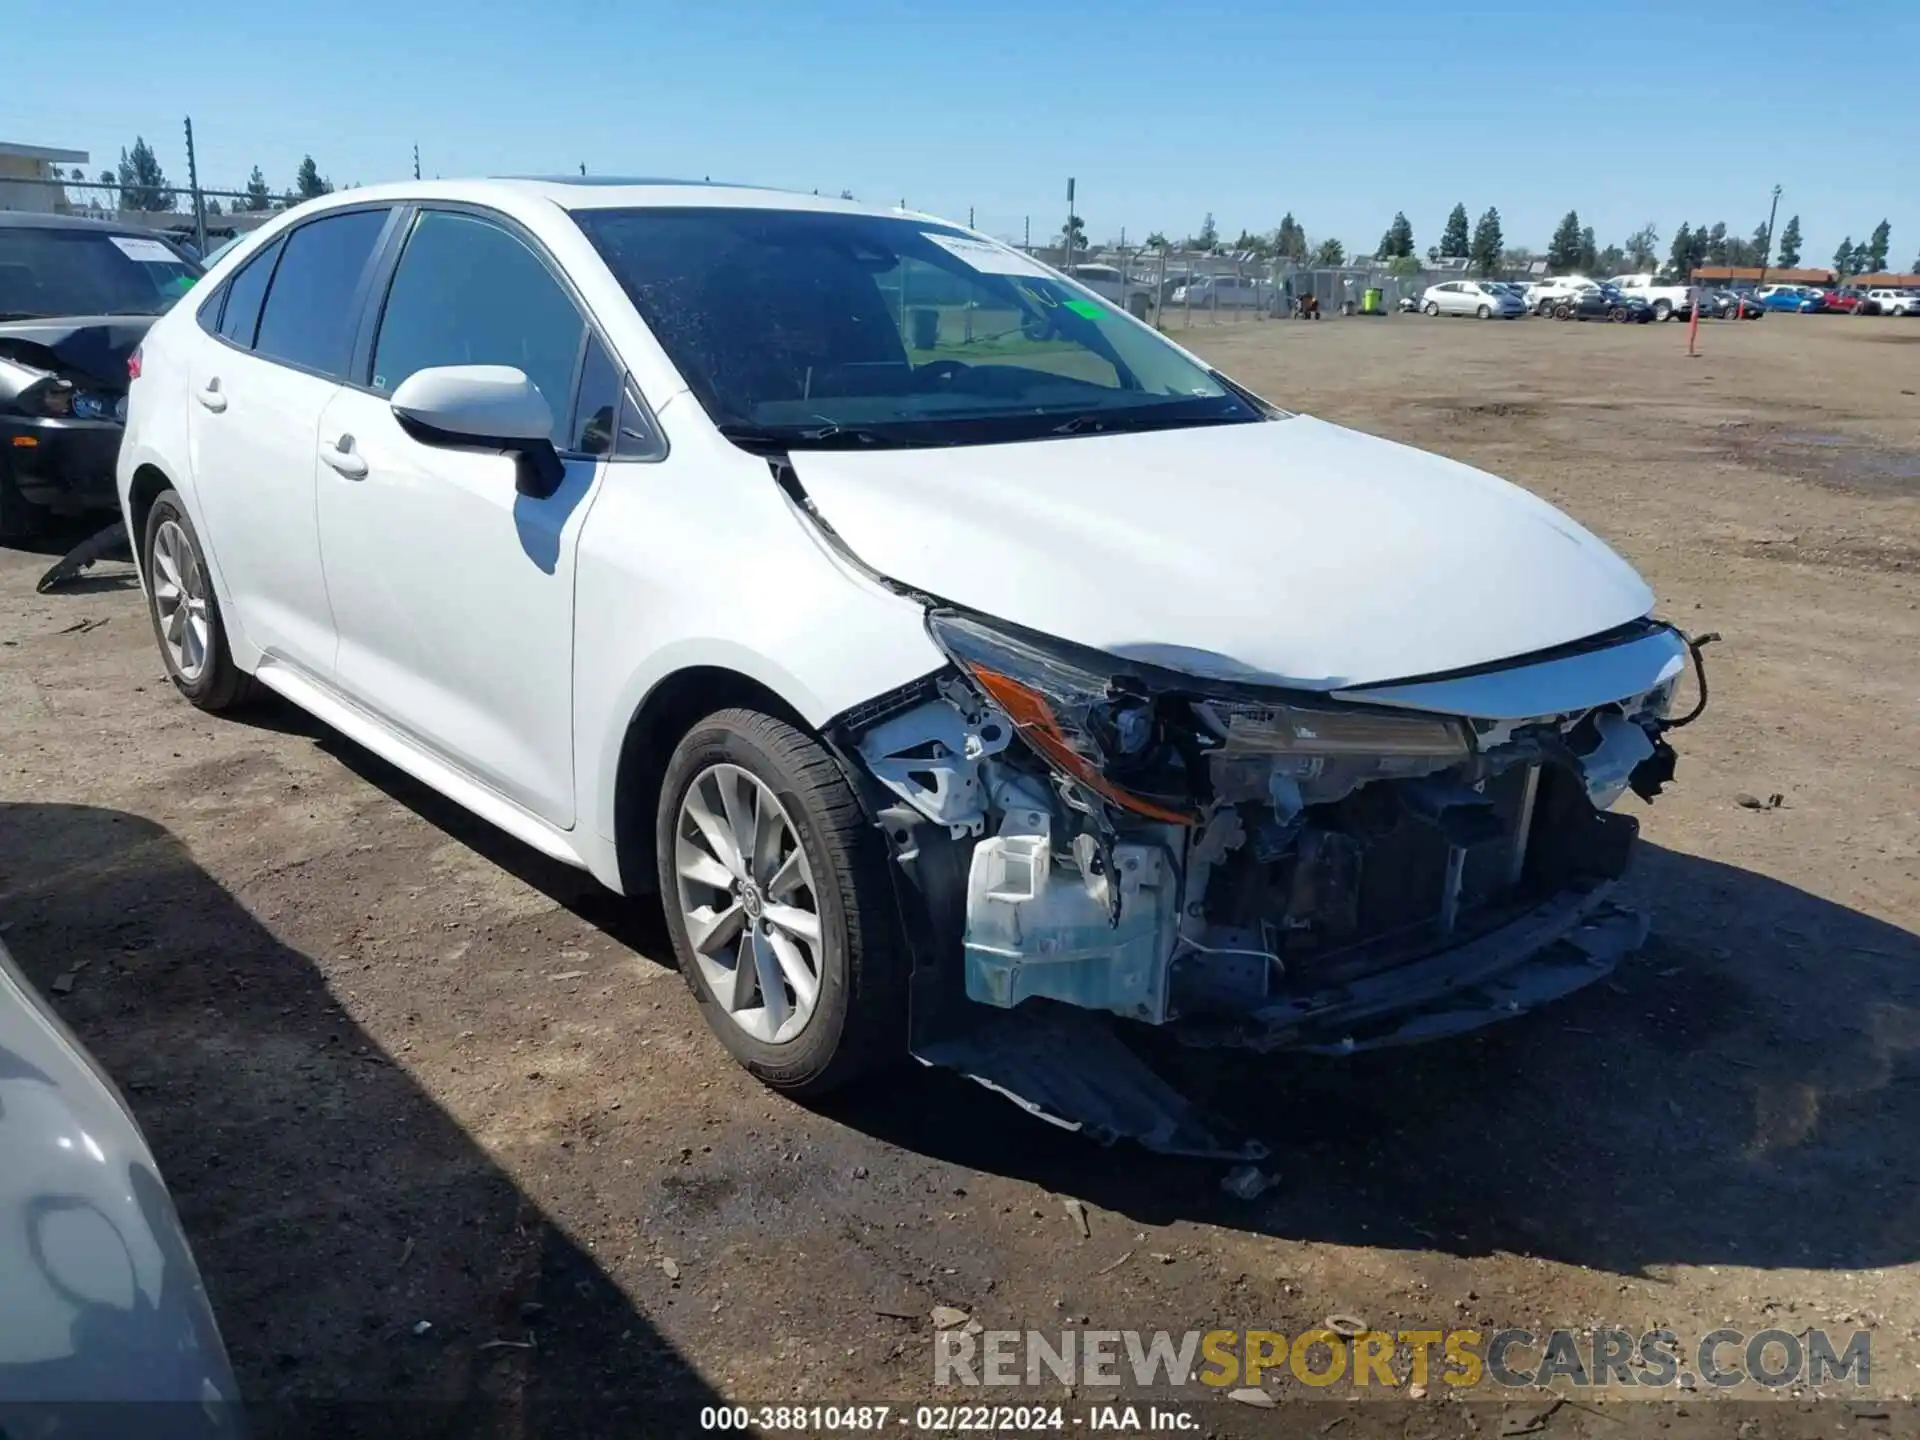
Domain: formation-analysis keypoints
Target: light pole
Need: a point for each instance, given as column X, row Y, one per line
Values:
column 1768, row 253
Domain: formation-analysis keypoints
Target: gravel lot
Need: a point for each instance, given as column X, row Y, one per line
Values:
column 398, row 1069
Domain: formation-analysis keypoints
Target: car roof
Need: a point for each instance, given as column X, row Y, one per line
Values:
column 604, row 192
column 40, row 220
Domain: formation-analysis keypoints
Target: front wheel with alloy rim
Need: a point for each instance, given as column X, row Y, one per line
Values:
column 1662, row 310
column 778, row 901
column 185, row 611
column 1433, row 307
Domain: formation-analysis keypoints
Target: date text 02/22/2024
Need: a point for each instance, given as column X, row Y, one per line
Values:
column 943, row 1419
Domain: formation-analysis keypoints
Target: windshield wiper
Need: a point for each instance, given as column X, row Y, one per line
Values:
column 815, row 437
column 1145, row 418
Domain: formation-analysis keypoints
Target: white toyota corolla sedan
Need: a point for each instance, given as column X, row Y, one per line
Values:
column 962, row 662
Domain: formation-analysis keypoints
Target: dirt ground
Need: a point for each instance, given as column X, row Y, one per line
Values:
column 443, row 1125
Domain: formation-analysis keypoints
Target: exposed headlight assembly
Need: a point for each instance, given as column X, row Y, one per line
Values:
column 1067, row 706
column 1162, row 744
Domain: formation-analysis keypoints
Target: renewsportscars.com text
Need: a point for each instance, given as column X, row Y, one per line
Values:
column 1590, row 1357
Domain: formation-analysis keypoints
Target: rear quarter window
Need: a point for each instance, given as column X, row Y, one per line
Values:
column 241, row 316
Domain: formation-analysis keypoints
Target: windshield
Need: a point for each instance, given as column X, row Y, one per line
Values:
column 799, row 328
column 88, row 272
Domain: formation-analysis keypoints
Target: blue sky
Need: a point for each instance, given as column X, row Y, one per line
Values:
column 1341, row 114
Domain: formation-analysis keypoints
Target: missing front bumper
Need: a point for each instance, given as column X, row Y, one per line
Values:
column 1558, row 947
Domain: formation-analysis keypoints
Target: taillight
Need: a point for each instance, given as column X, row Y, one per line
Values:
column 133, row 365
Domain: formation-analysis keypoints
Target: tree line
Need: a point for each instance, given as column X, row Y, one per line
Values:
column 1574, row 247
column 143, row 184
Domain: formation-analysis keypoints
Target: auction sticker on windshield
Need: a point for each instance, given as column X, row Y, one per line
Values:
column 148, row 252
column 987, row 257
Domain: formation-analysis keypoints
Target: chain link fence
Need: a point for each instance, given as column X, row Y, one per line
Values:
column 1179, row 289
column 194, row 215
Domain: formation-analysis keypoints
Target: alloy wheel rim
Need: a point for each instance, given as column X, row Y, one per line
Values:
column 748, row 902
column 180, row 601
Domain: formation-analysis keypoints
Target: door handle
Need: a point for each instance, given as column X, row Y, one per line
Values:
column 209, row 395
column 341, row 456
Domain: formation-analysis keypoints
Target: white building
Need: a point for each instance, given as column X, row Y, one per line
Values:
column 33, row 163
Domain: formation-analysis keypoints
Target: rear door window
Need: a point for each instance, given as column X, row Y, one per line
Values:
column 310, row 314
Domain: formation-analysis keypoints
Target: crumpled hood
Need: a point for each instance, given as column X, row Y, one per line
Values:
column 93, row 347
column 1294, row 552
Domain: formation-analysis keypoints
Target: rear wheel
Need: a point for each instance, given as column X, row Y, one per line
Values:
column 1662, row 309
column 186, row 613
column 778, row 901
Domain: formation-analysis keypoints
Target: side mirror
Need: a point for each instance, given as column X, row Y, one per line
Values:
column 494, row 407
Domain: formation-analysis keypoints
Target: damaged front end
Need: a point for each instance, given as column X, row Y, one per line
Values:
column 1248, row 866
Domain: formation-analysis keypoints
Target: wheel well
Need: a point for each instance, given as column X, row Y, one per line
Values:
column 671, row 709
column 148, row 484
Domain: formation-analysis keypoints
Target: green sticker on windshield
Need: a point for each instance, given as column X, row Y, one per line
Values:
column 1085, row 308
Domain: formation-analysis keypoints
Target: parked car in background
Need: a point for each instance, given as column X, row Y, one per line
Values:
column 1604, row 302
column 1803, row 299
column 1668, row 299
column 1545, row 295
column 1846, row 300
column 1733, row 305
column 1219, row 292
column 464, row 469
column 103, row 1299
column 76, row 296
column 1482, row 298
column 1112, row 283
column 1895, row 302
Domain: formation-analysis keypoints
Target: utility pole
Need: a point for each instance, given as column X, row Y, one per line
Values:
column 1775, row 210
column 1026, row 222
column 970, row 217
column 193, row 185
column 416, row 161
column 1066, row 255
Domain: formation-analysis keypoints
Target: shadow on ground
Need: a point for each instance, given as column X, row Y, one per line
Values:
column 328, row 1198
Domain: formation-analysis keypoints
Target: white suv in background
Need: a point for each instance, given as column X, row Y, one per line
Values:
column 872, row 593
column 1896, row 302
column 1670, row 299
column 1543, row 295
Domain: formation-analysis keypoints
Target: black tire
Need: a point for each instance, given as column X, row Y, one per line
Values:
column 1485, row 312
column 1663, row 310
column 221, row 685
column 1563, row 312
column 20, row 518
column 1433, row 308
column 860, row 1018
